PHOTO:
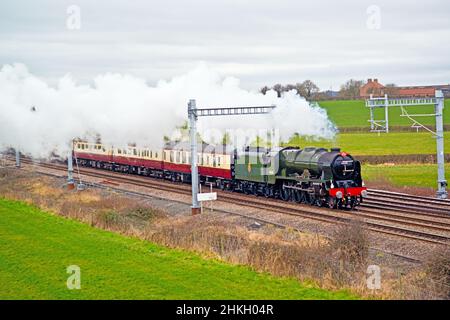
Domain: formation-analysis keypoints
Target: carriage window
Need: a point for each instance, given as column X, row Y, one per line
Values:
column 156, row 154
column 218, row 161
column 171, row 156
column 183, row 154
column 214, row 161
column 119, row 151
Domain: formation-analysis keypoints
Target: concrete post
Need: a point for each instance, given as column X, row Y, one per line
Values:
column 70, row 181
column 194, row 168
column 386, row 112
column 372, row 126
column 17, row 158
column 439, row 109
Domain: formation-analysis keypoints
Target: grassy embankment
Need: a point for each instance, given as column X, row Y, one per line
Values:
column 412, row 175
column 378, row 144
column 37, row 247
column 353, row 113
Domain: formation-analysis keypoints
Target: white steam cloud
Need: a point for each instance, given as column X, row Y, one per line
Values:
column 40, row 119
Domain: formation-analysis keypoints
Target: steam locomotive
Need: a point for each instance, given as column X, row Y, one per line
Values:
column 311, row 175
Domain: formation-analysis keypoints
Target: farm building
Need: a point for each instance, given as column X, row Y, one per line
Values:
column 377, row 89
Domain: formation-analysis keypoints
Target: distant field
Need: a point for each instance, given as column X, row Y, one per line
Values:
column 353, row 113
column 378, row 144
column 36, row 247
column 405, row 175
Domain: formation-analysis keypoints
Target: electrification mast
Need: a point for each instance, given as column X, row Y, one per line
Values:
column 193, row 114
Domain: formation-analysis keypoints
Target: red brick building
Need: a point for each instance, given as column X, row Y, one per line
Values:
column 377, row 89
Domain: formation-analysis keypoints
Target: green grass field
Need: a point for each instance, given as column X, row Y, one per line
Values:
column 37, row 247
column 353, row 113
column 414, row 175
column 377, row 144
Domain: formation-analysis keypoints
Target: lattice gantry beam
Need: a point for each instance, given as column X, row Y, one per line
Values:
column 205, row 112
column 383, row 102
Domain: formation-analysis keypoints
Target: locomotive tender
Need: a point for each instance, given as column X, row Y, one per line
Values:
column 310, row 175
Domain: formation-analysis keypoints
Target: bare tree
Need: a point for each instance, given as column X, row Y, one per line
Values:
column 307, row 88
column 264, row 89
column 278, row 89
column 289, row 87
column 350, row 90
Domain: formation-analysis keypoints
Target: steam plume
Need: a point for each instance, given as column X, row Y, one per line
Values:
column 40, row 119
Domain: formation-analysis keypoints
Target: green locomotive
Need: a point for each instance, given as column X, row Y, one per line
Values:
column 310, row 175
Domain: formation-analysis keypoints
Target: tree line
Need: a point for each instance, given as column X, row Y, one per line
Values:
column 310, row 91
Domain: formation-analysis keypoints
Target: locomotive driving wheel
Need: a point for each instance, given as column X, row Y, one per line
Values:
column 312, row 199
column 254, row 189
column 297, row 195
column 267, row 192
column 285, row 194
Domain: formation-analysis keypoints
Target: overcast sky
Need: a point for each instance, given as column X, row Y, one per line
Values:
column 259, row 42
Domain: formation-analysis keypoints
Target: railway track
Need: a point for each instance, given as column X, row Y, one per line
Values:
column 387, row 222
column 249, row 217
column 400, row 196
column 406, row 206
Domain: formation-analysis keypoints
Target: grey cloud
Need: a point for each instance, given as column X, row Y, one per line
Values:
column 260, row 42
